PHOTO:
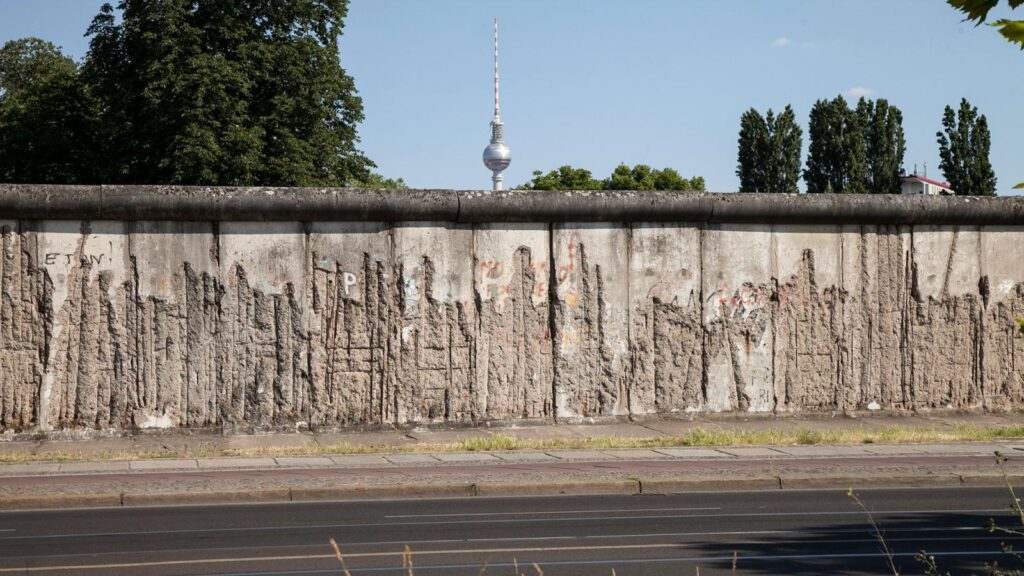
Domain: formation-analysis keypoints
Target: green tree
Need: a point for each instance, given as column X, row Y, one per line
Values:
column 964, row 150
column 977, row 11
column 624, row 177
column 769, row 151
column 857, row 150
column 885, row 146
column 47, row 121
column 228, row 93
column 564, row 178
column 827, row 150
column 375, row 180
column 754, row 145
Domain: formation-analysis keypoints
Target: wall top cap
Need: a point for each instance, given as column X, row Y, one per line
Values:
column 199, row 203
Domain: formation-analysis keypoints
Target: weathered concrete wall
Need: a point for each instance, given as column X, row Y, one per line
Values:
column 167, row 321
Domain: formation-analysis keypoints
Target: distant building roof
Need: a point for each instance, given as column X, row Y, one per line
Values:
column 930, row 181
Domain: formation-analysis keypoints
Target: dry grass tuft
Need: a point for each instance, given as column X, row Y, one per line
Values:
column 505, row 442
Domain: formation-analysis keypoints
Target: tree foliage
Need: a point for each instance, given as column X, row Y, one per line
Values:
column 189, row 92
column 769, row 151
column 47, row 121
column 885, row 146
column 855, row 150
column 829, row 159
column 964, row 149
column 211, row 92
column 564, row 178
column 375, row 180
column 1012, row 30
column 624, row 177
column 977, row 11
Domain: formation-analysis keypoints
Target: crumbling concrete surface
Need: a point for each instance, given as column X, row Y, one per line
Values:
column 264, row 325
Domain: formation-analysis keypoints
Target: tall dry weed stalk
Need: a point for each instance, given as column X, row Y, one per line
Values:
column 341, row 559
column 877, row 532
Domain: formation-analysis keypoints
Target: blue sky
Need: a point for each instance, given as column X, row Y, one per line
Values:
column 593, row 83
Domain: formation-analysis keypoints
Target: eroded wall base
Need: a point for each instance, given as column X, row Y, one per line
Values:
column 264, row 325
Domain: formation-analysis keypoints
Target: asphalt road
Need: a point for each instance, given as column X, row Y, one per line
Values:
column 776, row 532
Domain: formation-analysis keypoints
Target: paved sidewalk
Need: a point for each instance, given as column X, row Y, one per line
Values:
column 440, row 459
column 80, row 445
column 654, row 471
column 392, row 473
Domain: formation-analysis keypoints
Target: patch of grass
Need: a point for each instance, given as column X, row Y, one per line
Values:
column 696, row 437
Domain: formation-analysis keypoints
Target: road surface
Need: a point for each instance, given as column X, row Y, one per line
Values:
column 771, row 532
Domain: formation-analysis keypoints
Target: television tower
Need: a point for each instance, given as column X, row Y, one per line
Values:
column 497, row 156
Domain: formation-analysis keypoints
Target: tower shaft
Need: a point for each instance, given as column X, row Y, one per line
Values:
column 497, row 156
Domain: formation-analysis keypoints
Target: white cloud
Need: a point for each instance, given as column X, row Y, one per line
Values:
column 860, row 91
column 781, row 42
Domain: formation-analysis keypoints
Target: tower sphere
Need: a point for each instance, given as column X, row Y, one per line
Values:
column 497, row 156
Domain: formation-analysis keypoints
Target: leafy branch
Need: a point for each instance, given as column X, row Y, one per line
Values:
column 977, row 12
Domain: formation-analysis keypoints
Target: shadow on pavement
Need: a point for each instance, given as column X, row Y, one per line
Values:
column 961, row 544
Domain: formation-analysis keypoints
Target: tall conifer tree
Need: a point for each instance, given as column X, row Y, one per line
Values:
column 964, row 149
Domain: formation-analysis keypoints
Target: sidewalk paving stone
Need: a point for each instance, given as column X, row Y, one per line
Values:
column 411, row 458
column 19, row 448
column 753, row 452
column 109, row 466
column 447, row 436
column 671, row 427
column 893, row 449
column 545, row 432
column 693, row 453
column 634, row 454
column 384, row 438
column 360, row 460
column 237, row 463
column 164, row 464
column 823, row 450
column 578, row 454
column 465, row 457
column 524, row 456
column 614, row 430
column 84, row 447
column 29, row 468
column 974, row 449
column 309, row 461
column 179, row 444
column 249, row 442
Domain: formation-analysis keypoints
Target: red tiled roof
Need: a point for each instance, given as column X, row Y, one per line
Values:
column 930, row 181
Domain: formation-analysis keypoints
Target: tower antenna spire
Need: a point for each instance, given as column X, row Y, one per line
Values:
column 497, row 156
column 497, row 101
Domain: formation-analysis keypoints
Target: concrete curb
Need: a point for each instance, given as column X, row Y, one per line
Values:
column 361, row 492
column 940, row 480
column 558, row 487
column 682, row 485
column 61, row 501
column 412, row 490
column 215, row 497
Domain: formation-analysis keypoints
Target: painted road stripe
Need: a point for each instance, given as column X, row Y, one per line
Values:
column 477, row 522
column 552, row 512
column 526, row 563
column 542, row 538
column 539, row 549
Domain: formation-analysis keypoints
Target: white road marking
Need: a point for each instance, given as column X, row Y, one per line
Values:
column 477, row 522
column 421, row 553
column 535, row 538
column 552, row 512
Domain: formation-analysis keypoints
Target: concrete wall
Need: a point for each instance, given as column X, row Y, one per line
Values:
column 165, row 322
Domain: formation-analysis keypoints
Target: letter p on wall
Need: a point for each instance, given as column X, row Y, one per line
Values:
column 348, row 280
